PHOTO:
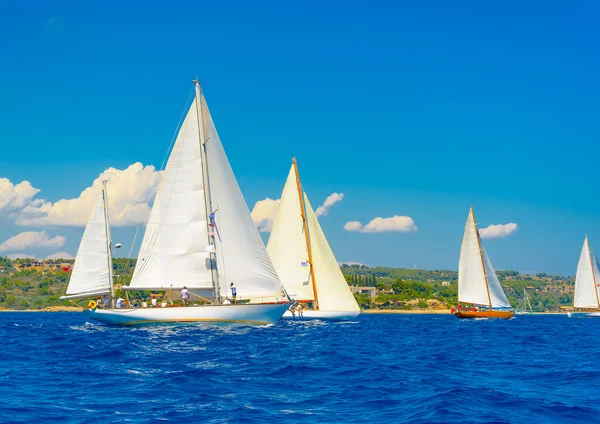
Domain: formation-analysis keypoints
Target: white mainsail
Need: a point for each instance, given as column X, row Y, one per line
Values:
column 289, row 252
column 91, row 273
column 587, row 280
column 176, row 250
column 333, row 291
column 287, row 244
column 477, row 280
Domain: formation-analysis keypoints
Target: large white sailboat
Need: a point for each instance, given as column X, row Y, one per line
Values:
column 478, row 283
column 304, row 261
column 91, row 276
column 586, row 300
column 200, row 236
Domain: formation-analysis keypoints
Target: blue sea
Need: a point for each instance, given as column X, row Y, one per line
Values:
column 376, row 369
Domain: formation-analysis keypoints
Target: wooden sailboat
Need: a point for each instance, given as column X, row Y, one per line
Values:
column 478, row 284
column 200, row 235
column 586, row 300
column 304, row 261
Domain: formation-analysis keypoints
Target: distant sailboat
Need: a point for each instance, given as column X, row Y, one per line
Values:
column 526, row 303
column 200, row 235
column 477, row 281
column 587, row 290
column 91, row 276
column 304, row 261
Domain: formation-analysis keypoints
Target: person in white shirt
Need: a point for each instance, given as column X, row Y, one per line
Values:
column 154, row 302
column 120, row 303
column 233, row 292
column 185, row 296
column 144, row 304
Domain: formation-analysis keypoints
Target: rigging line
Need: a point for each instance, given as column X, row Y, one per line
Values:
column 174, row 137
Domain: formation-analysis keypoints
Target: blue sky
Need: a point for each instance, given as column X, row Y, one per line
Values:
column 415, row 109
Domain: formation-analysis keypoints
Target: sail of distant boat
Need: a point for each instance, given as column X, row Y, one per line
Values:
column 91, row 275
column 587, row 291
column 303, row 258
column 526, row 308
column 477, row 280
column 200, row 236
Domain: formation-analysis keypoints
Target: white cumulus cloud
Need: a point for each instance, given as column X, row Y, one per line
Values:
column 264, row 213
column 130, row 191
column 353, row 226
column 20, row 256
column 14, row 196
column 35, row 239
column 402, row 224
column 498, row 230
column 331, row 200
column 60, row 255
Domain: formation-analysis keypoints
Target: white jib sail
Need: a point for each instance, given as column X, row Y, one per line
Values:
column 287, row 243
column 173, row 252
column 586, row 280
column 241, row 254
column 497, row 295
column 332, row 289
column 471, row 278
column 90, row 275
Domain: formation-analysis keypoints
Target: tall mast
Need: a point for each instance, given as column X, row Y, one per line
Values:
column 210, row 222
column 593, row 273
column 481, row 256
column 108, row 243
column 306, row 235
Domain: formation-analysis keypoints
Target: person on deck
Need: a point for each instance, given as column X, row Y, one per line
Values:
column 144, row 304
column 233, row 292
column 154, row 301
column 106, row 302
column 185, row 296
column 120, row 303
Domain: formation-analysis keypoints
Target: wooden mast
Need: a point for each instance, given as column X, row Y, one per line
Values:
column 487, row 286
column 593, row 273
column 306, row 235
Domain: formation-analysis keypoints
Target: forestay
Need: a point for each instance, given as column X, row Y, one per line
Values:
column 241, row 254
column 471, row 278
column 332, row 289
column 173, row 252
column 287, row 243
column 90, row 275
column 586, row 295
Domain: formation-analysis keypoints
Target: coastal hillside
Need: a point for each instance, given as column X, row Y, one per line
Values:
column 29, row 284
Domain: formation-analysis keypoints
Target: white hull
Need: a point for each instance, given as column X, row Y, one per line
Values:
column 251, row 314
column 583, row 314
column 324, row 315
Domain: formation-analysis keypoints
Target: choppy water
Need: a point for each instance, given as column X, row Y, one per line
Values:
column 377, row 369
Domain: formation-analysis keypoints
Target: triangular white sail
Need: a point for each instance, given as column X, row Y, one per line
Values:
column 173, row 249
column 287, row 244
column 241, row 254
column 91, row 274
column 332, row 288
column 176, row 252
column 477, row 280
column 497, row 295
column 586, row 281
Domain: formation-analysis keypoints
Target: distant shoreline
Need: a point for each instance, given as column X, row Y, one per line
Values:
column 48, row 309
